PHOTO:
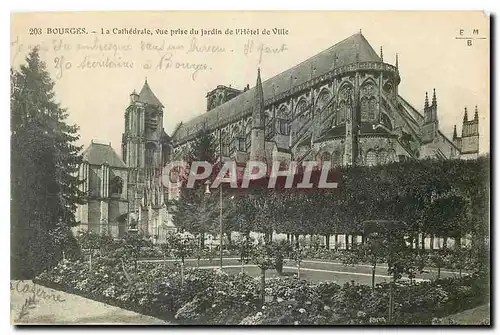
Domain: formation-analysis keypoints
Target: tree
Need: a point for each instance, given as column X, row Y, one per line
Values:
column 44, row 166
column 373, row 251
column 91, row 241
column 181, row 245
column 244, row 244
column 132, row 245
column 263, row 257
column 297, row 254
column 281, row 250
column 196, row 211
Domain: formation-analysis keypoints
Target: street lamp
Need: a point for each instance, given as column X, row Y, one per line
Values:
column 221, row 227
column 207, row 187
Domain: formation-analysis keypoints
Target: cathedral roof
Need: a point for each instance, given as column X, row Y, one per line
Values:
column 353, row 49
column 99, row 154
column 147, row 96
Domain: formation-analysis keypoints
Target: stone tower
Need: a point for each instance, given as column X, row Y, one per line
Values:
column 144, row 144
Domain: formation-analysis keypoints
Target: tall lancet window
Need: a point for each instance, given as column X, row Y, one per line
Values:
column 237, row 139
column 225, row 143
column 248, row 135
column 345, row 96
column 372, row 107
column 302, row 109
column 283, row 121
column 116, row 186
column 365, row 114
column 150, row 153
column 382, row 157
column 342, row 112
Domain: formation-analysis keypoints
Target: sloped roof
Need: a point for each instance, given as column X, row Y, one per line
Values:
column 98, row 154
column 352, row 49
column 147, row 96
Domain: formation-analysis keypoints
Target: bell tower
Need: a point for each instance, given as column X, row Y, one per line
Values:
column 142, row 152
column 142, row 139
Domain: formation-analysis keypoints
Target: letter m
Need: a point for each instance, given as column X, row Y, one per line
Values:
column 475, row 32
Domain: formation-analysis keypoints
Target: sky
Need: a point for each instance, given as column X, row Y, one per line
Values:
column 430, row 56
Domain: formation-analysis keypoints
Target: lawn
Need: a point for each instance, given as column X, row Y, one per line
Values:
column 312, row 270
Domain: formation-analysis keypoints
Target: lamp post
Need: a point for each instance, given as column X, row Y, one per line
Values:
column 221, row 227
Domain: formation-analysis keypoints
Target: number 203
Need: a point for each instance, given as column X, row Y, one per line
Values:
column 35, row 31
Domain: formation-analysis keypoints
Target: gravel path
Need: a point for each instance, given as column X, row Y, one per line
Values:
column 57, row 307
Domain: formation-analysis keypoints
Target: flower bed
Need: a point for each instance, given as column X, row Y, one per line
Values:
column 215, row 297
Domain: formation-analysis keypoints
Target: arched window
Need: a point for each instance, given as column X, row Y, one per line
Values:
column 371, row 158
column 345, row 96
column 365, row 115
column 248, row 134
column 237, row 140
column 322, row 101
column 372, row 106
column 301, row 107
column 116, row 186
column 382, row 157
column 283, row 121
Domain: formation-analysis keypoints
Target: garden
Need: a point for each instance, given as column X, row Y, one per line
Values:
column 399, row 203
column 191, row 295
column 201, row 296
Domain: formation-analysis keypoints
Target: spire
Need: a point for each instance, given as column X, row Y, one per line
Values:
column 434, row 100
column 381, row 54
column 147, row 96
column 259, row 93
column 257, row 142
column 426, row 104
column 465, row 114
column 397, row 65
column 476, row 115
column 455, row 132
column 258, row 111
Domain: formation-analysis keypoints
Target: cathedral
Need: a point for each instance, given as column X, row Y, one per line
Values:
column 341, row 105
